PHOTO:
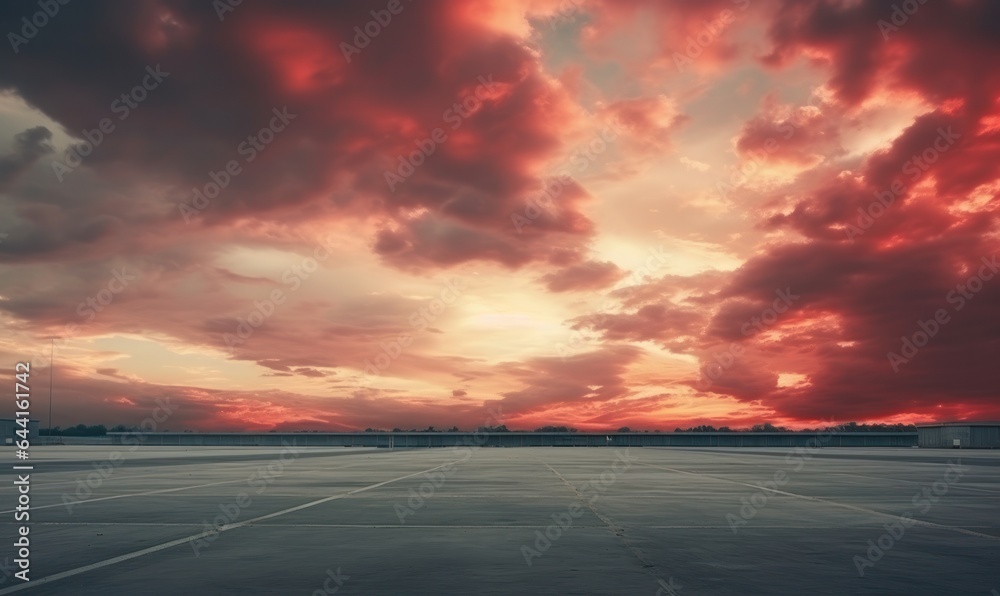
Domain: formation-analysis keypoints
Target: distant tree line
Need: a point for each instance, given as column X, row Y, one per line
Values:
column 430, row 429
column 98, row 430
column 80, row 430
column 766, row 427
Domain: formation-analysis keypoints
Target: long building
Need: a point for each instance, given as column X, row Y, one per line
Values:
column 9, row 428
column 959, row 435
column 523, row 439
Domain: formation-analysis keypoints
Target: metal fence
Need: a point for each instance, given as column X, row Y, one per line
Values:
column 522, row 439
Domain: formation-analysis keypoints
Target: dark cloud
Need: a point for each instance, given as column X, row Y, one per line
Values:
column 345, row 124
column 866, row 273
column 29, row 146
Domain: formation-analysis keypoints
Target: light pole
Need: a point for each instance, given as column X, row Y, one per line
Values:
column 52, row 365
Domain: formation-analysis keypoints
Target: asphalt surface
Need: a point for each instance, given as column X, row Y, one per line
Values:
column 160, row 520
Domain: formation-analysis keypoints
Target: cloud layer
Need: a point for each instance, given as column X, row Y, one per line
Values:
column 343, row 215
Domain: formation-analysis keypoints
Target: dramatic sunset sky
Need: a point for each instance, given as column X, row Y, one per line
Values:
column 711, row 248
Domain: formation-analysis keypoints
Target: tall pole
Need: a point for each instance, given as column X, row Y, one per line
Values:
column 52, row 365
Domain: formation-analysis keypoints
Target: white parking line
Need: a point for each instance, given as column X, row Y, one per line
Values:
column 953, row 486
column 127, row 495
column 828, row 502
column 200, row 535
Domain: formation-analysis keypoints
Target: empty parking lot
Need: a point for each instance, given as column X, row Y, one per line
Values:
column 160, row 520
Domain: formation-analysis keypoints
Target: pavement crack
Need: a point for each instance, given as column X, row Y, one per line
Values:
column 617, row 529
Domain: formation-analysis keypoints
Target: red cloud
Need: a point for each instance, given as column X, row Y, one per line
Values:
column 589, row 275
column 437, row 145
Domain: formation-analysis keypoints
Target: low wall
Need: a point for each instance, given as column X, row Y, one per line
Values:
column 968, row 436
column 516, row 439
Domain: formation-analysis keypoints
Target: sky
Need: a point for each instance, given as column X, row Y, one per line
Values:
column 593, row 213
